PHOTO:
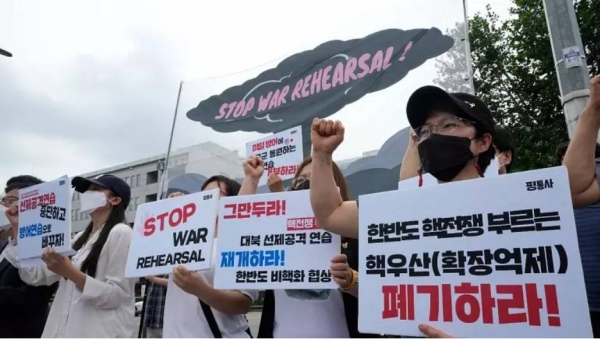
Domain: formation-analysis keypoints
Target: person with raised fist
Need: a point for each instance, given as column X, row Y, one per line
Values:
column 583, row 165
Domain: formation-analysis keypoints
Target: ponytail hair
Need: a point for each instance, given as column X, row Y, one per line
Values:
column 90, row 264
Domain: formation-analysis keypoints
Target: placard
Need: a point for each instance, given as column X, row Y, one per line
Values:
column 272, row 241
column 478, row 258
column 429, row 180
column 44, row 220
column 281, row 152
column 172, row 232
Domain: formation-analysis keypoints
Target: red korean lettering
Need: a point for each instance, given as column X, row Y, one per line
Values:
column 52, row 198
column 516, row 301
column 399, row 301
column 390, row 303
column 552, row 305
column 244, row 210
column 258, row 208
column 534, row 305
column 434, row 300
column 467, row 297
column 233, row 214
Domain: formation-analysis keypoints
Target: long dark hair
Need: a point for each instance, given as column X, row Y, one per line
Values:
column 90, row 264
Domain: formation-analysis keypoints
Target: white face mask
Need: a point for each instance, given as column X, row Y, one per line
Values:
column 92, row 200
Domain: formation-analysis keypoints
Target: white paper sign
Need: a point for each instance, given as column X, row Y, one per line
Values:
column 478, row 258
column 281, row 152
column 572, row 57
column 271, row 241
column 429, row 180
column 172, row 232
column 45, row 219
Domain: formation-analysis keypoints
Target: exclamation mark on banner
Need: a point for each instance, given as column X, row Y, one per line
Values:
column 281, row 258
column 552, row 305
column 406, row 49
column 283, row 207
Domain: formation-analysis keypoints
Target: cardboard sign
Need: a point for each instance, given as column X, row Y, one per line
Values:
column 44, row 220
column 272, row 241
column 172, row 232
column 429, row 180
column 281, row 152
column 478, row 258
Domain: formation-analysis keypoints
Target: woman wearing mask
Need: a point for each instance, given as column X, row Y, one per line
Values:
column 193, row 308
column 94, row 299
column 306, row 313
column 453, row 134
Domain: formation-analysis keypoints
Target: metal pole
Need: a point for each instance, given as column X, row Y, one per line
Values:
column 569, row 59
column 163, row 181
column 161, row 187
column 468, row 59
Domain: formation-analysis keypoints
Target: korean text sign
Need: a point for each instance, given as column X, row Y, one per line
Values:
column 272, row 241
column 45, row 219
column 281, row 152
column 480, row 258
column 172, row 232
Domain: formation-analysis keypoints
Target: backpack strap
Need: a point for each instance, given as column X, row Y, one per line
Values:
column 210, row 318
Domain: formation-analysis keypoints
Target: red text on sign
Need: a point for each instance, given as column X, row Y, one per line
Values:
column 257, row 209
column 174, row 218
column 469, row 303
column 32, row 201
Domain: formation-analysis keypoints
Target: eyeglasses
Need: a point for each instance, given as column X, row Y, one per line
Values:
column 443, row 127
column 9, row 199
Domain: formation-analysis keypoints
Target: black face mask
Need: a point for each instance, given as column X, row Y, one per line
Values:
column 444, row 156
column 304, row 185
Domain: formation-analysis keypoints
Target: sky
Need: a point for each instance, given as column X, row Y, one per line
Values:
column 93, row 84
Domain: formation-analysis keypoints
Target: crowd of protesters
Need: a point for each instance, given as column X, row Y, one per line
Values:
column 453, row 137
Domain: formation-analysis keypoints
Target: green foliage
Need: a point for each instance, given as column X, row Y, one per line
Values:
column 514, row 73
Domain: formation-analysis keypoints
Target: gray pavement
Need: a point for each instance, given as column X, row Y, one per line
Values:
column 253, row 318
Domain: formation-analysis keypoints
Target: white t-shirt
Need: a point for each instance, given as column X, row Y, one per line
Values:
column 184, row 317
column 300, row 318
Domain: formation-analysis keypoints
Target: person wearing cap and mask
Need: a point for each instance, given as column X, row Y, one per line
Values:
column 453, row 138
column 94, row 299
column 20, row 303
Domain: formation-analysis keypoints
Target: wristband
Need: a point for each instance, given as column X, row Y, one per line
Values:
column 353, row 281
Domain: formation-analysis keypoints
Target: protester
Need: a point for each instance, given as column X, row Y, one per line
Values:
column 504, row 145
column 94, row 299
column 155, row 301
column 583, row 167
column 453, row 137
column 325, row 313
column 23, row 308
column 193, row 308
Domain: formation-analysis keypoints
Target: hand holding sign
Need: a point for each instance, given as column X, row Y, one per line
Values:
column 254, row 167
column 326, row 136
column 340, row 270
column 189, row 281
column 57, row 263
column 431, row 332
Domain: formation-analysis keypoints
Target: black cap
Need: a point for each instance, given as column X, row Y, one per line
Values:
column 117, row 185
column 503, row 140
column 466, row 106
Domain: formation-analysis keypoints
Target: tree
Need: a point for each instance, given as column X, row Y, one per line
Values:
column 514, row 74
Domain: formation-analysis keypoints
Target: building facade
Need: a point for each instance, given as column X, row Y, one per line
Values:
column 144, row 176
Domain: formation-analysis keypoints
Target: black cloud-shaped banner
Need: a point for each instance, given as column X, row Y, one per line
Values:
column 320, row 82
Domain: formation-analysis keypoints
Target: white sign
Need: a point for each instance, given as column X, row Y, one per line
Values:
column 572, row 57
column 172, row 232
column 281, row 152
column 44, row 220
column 272, row 241
column 478, row 258
column 429, row 180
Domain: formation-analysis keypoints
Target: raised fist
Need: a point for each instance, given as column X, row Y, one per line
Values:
column 326, row 136
column 274, row 183
column 254, row 167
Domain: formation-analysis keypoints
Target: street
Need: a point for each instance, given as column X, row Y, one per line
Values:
column 253, row 318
